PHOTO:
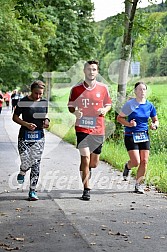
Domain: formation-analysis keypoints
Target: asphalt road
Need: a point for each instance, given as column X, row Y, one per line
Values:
column 115, row 219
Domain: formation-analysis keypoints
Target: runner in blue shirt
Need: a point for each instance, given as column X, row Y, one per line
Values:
column 134, row 116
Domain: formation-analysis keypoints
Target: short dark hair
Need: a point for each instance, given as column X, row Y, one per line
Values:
column 90, row 62
column 37, row 84
column 140, row 82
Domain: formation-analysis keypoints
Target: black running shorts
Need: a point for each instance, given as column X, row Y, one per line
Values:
column 130, row 145
column 94, row 142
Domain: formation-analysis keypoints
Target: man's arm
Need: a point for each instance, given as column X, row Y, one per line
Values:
column 77, row 112
column 103, row 111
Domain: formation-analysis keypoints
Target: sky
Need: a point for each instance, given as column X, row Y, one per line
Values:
column 108, row 8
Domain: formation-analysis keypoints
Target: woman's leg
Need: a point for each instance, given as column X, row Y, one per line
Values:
column 134, row 156
column 36, row 151
column 25, row 157
column 144, row 155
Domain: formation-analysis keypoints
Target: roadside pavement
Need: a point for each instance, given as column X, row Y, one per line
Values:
column 115, row 219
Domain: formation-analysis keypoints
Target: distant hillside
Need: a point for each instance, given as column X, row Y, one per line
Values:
column 149, row 9
column 149, row 40
column 155, row 8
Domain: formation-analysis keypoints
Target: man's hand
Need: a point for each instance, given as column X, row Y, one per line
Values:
column 102, row 111
column 78, row 113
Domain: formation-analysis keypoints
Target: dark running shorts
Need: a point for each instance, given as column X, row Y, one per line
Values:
column 130, row 145
column 94, row 142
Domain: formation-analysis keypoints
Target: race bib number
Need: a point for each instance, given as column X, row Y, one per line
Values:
column 139, row 137
column 87, row 122
column 32, row 135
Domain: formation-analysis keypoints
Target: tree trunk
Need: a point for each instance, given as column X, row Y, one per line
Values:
column 130, row 10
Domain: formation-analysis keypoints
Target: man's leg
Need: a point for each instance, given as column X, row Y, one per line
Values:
column 84, row 170
column 94, row 160
column 84, row 166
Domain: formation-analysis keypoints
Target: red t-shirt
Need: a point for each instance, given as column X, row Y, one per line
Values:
column 1, row 101
column 89, row 100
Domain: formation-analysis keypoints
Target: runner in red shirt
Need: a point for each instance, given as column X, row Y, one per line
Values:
column 1, row 101
column 89, row 102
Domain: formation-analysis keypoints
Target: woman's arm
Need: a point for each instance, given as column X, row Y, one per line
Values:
column 155, row 123
column 121, row 118
column 30, row 126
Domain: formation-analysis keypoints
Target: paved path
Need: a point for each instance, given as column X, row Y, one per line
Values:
column 115, row 219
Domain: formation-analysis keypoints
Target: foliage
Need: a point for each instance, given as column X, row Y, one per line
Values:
column 41, row 36
column 75, row 34
column 22, row 46
column 163, row 63
column 149, row 39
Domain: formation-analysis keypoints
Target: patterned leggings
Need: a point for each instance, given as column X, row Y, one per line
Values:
column 30, row 156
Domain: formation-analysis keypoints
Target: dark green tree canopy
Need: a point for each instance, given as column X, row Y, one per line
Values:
column 44, row 36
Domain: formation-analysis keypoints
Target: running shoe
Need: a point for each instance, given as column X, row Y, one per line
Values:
column 86, row 194
column 126, row 172
column 20, row 178
column 32, row 196
column 139, row 189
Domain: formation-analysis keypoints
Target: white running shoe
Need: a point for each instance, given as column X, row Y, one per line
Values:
column 139, row 189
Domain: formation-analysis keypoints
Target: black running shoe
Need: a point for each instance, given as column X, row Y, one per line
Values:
column 20, row 178
column 126, row 172
column 86, row 194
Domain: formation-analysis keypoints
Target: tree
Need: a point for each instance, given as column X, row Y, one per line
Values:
column 127, row 45
column 22, row 44
column 43, row 36
column 130, row 10
column 75, row 34
column 163, row 63
column 155, row 39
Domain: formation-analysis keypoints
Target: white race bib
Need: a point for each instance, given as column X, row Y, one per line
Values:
column 139, row 137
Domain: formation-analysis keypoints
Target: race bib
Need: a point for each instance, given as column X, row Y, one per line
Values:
column 139, row 137
column 32, row 135
column 87, row 122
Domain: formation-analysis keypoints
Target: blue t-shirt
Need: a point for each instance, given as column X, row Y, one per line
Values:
column 139, row 112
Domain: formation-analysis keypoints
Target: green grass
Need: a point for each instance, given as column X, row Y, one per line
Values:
column 157, row 172
column 116, row 155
